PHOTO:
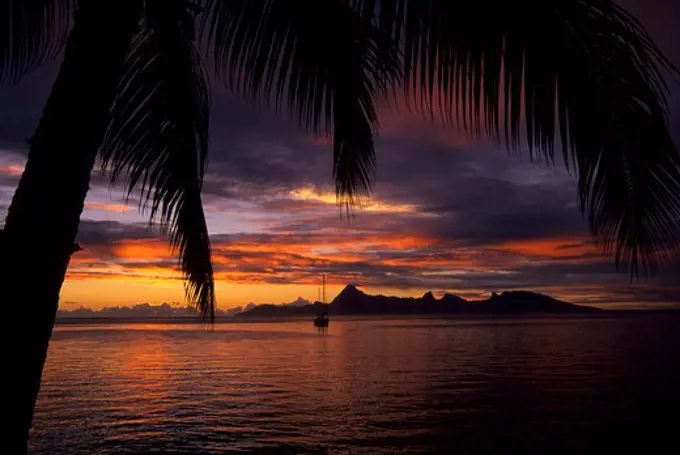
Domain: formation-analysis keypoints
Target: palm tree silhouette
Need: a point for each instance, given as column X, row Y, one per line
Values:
column 580, row 80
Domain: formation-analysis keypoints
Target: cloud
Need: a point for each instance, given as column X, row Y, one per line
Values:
column 103, row 233
column 12, row 170
column 447, row 213
column 567, row 267
column 107, row 207
column 140, row 310
column 147, row 310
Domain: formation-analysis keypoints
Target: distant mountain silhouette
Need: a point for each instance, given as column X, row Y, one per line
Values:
column 353, row 301
column 142, row 311
column 428, row 297
column 270, row 310
column 298, row 302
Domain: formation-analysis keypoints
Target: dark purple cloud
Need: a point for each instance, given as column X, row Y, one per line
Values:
column 469, row 196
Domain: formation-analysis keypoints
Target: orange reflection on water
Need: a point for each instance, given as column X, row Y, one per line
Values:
column 359, row 383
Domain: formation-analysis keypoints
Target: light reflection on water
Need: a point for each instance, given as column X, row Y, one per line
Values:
column 472, row 386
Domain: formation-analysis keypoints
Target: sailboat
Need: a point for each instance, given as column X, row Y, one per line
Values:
column 322, row 316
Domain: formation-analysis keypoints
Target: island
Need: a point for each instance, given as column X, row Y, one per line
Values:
column 353, row 301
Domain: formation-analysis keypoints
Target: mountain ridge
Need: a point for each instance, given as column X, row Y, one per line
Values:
column 353, row 301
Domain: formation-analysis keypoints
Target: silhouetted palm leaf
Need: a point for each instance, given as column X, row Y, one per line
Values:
column 582, row 76
column 158, row 138
column 31, row 31
column 331, row 65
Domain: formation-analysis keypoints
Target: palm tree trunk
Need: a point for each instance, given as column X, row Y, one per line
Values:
column 42, row 221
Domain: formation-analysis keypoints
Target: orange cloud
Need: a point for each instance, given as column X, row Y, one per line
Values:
column 11, row 169
column 311, row 193
column 143, row 250
column 106, row 207
column 408, row 121
column 555, row 248
column 294, row 256
column 407, row 263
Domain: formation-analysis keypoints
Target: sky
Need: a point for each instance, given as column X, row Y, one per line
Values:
column 448, row 213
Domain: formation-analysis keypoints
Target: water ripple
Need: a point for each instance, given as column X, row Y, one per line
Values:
column 556, row 385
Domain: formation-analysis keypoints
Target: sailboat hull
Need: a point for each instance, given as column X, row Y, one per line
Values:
column 322, row 318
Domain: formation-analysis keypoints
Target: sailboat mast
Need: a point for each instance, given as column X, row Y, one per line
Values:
column 323, row 292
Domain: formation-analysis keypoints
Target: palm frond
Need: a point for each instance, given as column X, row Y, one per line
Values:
column 158, row 138
column 31, row 31
column 322, row 59
column 580, row 76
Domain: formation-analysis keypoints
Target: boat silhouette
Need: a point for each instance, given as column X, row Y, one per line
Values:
column 321, row 319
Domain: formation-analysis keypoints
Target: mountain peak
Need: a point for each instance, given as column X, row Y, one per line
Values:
column 349, row 294
column 298, row 302
column 453, row 299
column 428, row 297
column 351, row 289
column 353, row 301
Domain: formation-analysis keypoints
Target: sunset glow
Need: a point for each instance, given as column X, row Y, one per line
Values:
column 447, row 213
column 370, row 205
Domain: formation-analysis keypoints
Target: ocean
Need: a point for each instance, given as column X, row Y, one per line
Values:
column 606, row 383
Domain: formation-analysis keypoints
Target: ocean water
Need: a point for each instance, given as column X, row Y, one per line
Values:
column 559, row 385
